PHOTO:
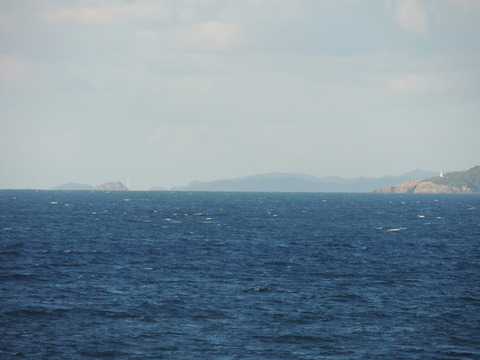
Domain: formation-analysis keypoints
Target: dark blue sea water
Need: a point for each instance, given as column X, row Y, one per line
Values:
column 176, row 275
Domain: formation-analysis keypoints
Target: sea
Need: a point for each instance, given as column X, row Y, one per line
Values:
column 219, row 275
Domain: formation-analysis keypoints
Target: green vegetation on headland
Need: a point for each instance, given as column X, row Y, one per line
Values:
column 460, row 179
column 458, row 182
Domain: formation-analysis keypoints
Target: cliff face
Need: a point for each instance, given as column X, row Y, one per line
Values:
column 111, row 186
column 424, row 187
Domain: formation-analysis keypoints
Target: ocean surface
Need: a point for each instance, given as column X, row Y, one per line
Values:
column 177, row 275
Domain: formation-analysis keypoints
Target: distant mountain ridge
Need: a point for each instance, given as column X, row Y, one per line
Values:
column 458, row 182
column 294, row 182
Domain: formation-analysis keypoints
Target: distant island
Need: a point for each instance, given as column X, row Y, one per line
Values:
column 109, row 186
column 458, row 182
column 292, row 182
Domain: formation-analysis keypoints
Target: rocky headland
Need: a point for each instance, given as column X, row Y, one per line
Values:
column 459, row 182
column 111, row 186
column 423, row 187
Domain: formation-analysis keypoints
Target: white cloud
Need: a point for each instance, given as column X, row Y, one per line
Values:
column 213, row 35
column 418, row 84
column 411, row 15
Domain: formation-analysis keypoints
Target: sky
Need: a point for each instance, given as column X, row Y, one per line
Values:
column 161, row 93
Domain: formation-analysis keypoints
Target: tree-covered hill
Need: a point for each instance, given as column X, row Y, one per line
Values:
column 469, row 178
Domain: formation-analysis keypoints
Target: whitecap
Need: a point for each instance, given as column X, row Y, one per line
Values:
column 397, row 229
column 421, row 216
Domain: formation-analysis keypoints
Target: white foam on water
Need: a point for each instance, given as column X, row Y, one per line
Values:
column 397, row 229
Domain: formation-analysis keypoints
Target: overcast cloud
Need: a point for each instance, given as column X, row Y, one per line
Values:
column 164, row 92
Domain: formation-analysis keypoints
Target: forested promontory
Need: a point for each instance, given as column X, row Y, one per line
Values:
column 457, row 182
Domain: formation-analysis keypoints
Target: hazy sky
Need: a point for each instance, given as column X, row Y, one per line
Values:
column 164, row 92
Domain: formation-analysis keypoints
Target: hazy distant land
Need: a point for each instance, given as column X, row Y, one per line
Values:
column 109, row 186
column 73, row 186
column 417, row 181
column 287, row 182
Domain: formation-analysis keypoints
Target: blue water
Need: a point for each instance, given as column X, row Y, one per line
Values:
column 176, row 275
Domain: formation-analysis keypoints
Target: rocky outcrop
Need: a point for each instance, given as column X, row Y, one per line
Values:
column 423, row 187
column 111, row 186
